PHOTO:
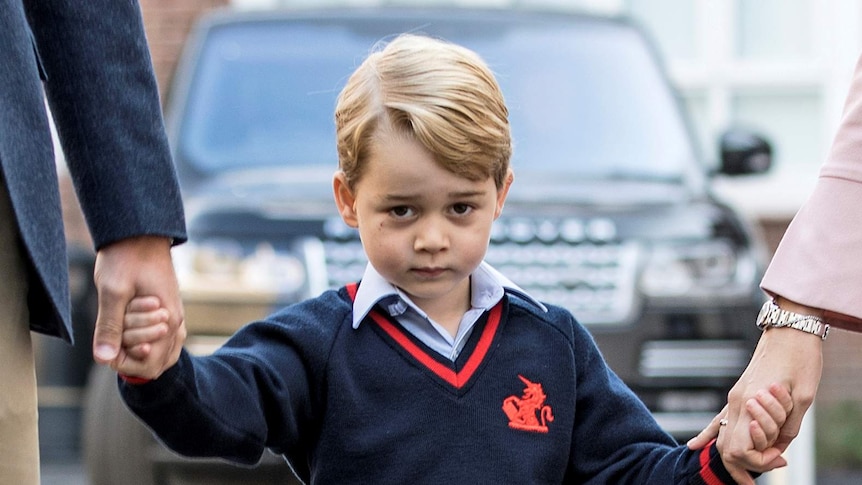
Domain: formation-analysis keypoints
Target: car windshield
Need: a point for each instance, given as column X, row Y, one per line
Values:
column 586, row 99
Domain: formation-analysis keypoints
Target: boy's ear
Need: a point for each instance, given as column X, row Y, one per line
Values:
column 344, row 199
column 503, row 191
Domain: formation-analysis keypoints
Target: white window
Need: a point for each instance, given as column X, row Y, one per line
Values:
column 780, row 67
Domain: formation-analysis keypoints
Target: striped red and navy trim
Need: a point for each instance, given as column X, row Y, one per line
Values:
column 455, row 378
column 351, row 290
column 135, row 381
column 712, row 471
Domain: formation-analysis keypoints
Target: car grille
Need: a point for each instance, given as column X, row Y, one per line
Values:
column 345, row 261
column 694, row 358
column 594, row 280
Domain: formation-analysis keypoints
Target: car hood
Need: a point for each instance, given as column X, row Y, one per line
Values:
column 550, row 189
column 655, row 209
column 292, row 193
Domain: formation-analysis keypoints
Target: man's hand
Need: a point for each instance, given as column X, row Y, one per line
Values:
column 138, row 266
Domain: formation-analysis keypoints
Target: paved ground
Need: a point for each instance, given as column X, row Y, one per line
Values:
column 839, row 478
column 72, row 473
column 64, row 473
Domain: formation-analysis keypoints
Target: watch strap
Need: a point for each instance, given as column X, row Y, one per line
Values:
column 771, row 315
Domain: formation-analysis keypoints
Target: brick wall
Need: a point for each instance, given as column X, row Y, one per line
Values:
column 167, row 23
column 842, row 367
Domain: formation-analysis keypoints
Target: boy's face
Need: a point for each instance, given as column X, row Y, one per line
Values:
column 423, row 228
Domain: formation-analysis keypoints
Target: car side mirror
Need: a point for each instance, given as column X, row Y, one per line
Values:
column 744, row 152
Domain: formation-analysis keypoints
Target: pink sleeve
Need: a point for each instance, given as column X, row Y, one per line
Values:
column 819, row 260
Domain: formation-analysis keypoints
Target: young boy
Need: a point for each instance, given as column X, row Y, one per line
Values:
column 435, row 368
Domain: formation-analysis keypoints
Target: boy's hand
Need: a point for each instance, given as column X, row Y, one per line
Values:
column 769, row 411
column 145, row 322
column 147, row 349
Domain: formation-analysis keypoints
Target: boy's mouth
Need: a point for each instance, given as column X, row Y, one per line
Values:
column 429, row 272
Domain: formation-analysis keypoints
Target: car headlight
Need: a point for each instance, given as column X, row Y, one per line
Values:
column 700, row 270
column 224, row 268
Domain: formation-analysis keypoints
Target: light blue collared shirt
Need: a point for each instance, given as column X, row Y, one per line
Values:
column 487, row 286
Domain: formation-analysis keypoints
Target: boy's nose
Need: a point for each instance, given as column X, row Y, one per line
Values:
column 432, row 236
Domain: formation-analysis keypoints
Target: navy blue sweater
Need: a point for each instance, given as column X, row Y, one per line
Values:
column 529, row 400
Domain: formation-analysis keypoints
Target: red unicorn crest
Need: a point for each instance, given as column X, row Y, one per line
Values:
column 525, row 412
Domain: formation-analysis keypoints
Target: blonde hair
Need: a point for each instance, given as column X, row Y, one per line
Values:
column 442, row 94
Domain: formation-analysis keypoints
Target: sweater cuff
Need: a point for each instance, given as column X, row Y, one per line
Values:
column 712, row 470
column 136, row 381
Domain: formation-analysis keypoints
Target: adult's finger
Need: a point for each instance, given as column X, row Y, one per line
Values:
column 735, row 461
column 709, row 432
column 108, row 332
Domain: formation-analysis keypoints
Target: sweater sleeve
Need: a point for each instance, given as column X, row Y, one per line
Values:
column 818, row 262
column 183, row 410
column 229, row 405
column 255, row 392
column 617, row 440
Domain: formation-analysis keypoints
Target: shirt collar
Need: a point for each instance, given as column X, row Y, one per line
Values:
column 488, row 286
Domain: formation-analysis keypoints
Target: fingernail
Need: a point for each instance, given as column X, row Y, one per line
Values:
column 105, row 352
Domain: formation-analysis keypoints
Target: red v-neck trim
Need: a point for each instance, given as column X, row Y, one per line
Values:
column 456, row 379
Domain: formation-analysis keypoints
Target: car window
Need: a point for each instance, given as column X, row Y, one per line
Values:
column 585, row 99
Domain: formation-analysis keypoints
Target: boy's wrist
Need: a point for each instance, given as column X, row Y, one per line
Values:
column 713, row 468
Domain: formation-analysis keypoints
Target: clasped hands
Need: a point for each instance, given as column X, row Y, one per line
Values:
column 785, row 360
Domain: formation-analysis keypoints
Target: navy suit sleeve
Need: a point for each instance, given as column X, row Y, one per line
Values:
column 104, row 99
column 618, row 440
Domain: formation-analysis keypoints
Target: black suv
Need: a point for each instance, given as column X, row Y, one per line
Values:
column 610, row 215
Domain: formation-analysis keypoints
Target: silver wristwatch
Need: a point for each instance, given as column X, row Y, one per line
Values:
column 771, row 315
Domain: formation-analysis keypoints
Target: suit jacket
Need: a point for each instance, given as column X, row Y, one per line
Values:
column 819, row 260
column 93, row 60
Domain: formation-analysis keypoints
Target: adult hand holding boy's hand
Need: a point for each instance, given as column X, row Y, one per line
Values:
column 137, row 266
column 749, row 441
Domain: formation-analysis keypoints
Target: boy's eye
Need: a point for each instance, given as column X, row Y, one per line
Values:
column 461, row 209
column 401, row 211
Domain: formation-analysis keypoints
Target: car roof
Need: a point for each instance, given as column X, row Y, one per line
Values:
column 375, row 14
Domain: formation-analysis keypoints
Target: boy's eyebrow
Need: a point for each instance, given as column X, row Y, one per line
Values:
column 468, row 193
column 452, row 195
